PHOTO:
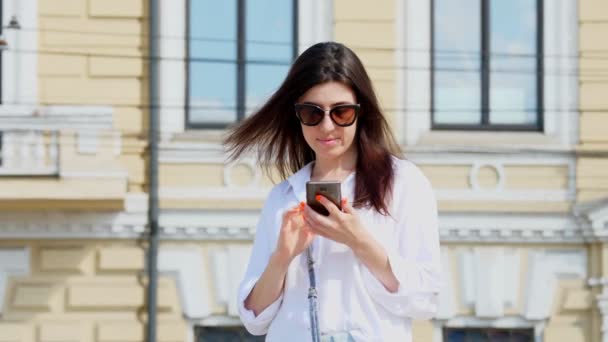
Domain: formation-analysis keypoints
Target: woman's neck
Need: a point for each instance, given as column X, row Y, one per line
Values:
column 334, row 169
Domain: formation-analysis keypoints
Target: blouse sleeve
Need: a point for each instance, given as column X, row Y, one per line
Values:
column 260, row 255
column 415, row 258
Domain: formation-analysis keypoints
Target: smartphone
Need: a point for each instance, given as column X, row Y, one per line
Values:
column 328, row 189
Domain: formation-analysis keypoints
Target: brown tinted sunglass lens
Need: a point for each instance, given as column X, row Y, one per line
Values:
column 309, row 115
column 344, row 115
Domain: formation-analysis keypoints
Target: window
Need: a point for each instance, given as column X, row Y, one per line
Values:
column 487, row 335
column 2, row 44
column 223, row 334
column 487, row 65
column 238, row 53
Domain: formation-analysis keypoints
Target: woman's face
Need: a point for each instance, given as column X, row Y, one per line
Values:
column 328, row 140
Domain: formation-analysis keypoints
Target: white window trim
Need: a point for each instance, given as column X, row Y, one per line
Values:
column 560, row 91
column 314, row 25
column 20, row 60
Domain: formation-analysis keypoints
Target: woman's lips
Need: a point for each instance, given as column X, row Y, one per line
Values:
column 328, row 142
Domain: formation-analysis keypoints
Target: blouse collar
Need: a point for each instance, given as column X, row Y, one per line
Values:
column 298, row 181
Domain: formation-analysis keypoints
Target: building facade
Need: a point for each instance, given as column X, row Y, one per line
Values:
column 501, row 104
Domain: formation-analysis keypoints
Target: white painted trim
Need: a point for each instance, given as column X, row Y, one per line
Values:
column 186, row 266
column 87, row 142
column 136, row 202
column 191, row 153
column 593, row 217
column 447, row 302
column 206, row 224
column 501, row 160
column 95, row 174
column 256, row 175
column 71, row 225
column 511, row 228
column 20, row 60
column 171, row 67
column 545, row 268
column 83, row 118
column 505, row 195
column 315, row 24
column 13, row 262
column 486, row 283
column 560, row 91
column 474, row 175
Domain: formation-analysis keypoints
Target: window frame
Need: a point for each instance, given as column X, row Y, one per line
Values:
column 1, row 51
column 560, row 91
column 19, row 71
column 315, row 24
column 241, row 62
column 485, row 85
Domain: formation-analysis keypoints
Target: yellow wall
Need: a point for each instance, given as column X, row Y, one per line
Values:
column 592, row 180
column 91, row 52
column 86, row 291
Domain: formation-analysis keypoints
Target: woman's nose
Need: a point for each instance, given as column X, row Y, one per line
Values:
column 326, row 123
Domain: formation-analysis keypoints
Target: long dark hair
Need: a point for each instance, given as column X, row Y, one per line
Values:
column 275, row 133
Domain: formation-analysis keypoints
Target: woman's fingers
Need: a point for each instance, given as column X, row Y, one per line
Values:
column 329, row 205
column 346, row 207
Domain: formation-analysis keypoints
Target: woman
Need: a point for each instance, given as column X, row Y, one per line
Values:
column 377, row 260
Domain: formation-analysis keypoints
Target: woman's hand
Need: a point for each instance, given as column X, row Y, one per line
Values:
column 342, row 226
column 295, row 235
column 346, row 228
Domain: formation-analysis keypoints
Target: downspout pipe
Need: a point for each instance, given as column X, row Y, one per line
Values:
column 153, row 135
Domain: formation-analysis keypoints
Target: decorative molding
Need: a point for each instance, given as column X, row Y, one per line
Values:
column 485, row 280
column 26, row 152
column 499, row 159
column 13, row 262
column 602, row 302
column 87, row 142
column 229, row 264
column 447, row 302
column 71, row 225
column 206, row 224
column 256, row 174
column 545, row 268
column 83, row 118
column 95, row 174
column 186, row 266
column 593, row 217
column 474, row 176
column 191, row 153
column 511, row 228
column 194, row 278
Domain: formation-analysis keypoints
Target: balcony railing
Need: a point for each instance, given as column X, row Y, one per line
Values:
column 29, row 153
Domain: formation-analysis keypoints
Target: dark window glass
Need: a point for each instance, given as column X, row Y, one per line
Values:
column 487, row 335
column 225, row 334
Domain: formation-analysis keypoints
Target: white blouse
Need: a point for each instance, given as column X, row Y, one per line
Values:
column 350, row 298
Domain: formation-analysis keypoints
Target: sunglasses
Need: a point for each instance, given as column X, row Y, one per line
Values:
column 342, row 115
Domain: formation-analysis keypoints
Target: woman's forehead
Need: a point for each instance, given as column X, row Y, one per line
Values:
column 328, row 94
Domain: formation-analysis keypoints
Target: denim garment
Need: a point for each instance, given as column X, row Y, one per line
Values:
column 338, row 337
